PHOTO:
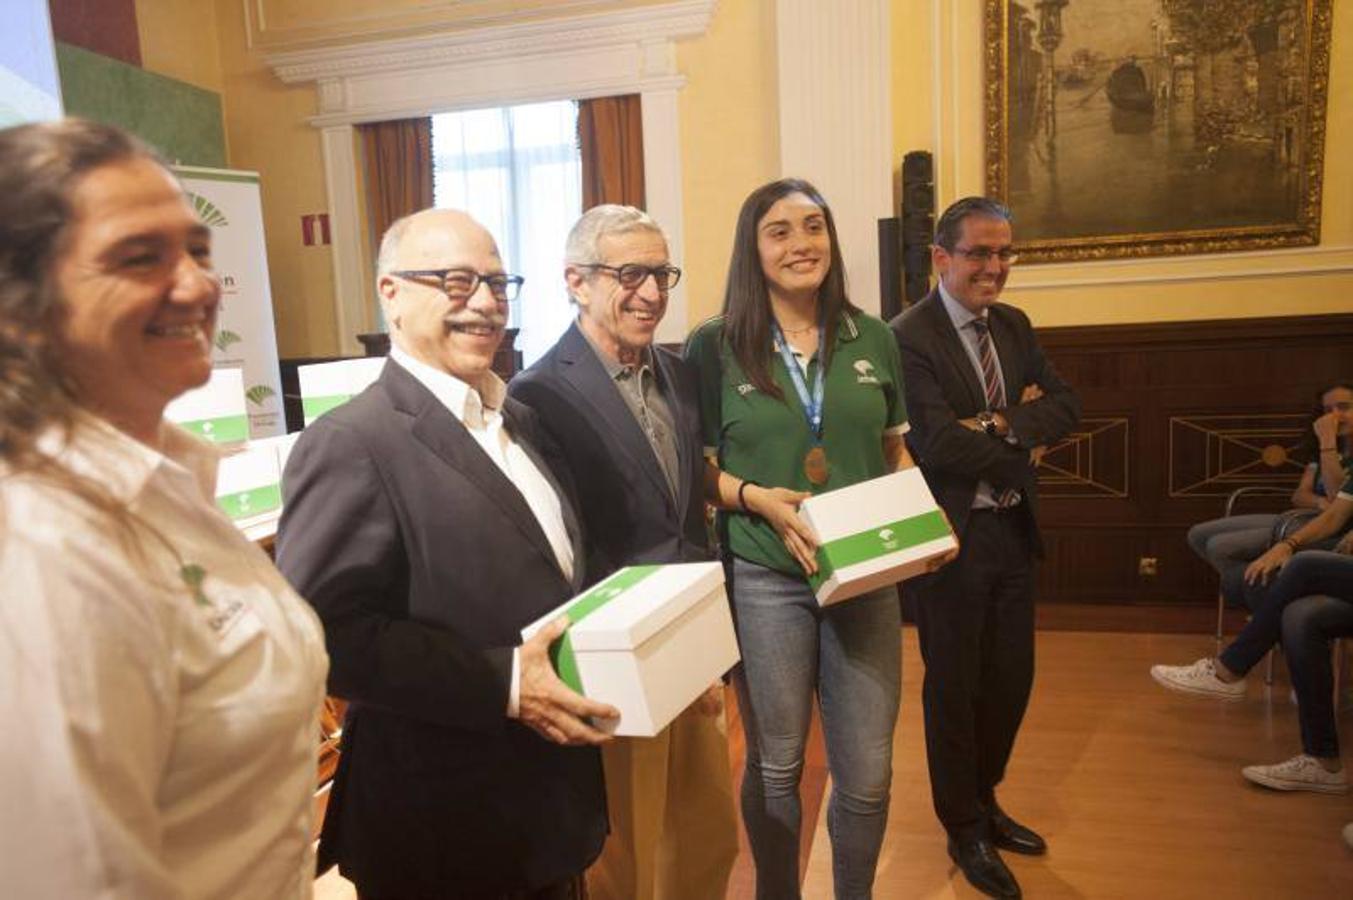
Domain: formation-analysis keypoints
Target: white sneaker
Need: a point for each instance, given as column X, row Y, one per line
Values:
column 1300, row 773
column 1199, row 678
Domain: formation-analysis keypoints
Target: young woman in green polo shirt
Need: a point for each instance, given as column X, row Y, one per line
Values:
column 800, row 393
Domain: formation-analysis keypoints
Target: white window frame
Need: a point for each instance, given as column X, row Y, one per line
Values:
column 626, row 51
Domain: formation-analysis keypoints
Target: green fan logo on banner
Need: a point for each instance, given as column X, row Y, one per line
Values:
column 207, row 211
column 224, row 338
column 258, row 393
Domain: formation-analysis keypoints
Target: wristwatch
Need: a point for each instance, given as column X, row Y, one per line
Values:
column 988, row 422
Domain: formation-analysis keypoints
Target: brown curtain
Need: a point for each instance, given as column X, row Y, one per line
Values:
column 398, row 170
column 611, row 140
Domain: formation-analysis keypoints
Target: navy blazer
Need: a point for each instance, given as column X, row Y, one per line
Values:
column 629, row 513
column 424, row 562
column 941, row 387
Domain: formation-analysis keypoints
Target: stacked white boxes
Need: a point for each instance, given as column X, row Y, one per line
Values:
column 216, row 410
column 327, row 385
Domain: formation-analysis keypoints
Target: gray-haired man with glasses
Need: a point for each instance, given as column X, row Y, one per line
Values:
column 624, row 414
column 425, row 524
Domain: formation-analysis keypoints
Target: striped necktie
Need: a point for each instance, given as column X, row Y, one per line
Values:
column 986, row 356
column 991, row 384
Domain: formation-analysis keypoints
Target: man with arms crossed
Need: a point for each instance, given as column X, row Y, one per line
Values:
column 984, row 404
column 625, row 416
column 422, row 521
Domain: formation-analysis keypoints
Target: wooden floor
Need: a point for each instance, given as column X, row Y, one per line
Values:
column 1137, row 789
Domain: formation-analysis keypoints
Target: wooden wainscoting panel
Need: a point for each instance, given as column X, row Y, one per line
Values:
column 1175, row 416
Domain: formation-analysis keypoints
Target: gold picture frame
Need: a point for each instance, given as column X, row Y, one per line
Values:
column 1135, row 128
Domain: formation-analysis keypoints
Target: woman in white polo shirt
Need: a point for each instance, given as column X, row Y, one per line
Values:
column 160, row 683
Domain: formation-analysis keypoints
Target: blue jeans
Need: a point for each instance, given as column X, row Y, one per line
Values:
column 1232, row 540
column 1308, row 572
column 850, row 655
column 1309, row 624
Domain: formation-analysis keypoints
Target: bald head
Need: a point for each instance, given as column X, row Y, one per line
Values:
column 415, row 230
column 457, row 336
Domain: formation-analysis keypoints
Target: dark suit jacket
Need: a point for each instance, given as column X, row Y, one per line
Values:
column 629, row 514
column 941, row 387
column 424, row 562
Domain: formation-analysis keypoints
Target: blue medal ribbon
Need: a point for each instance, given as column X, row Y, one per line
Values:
column 812, row 407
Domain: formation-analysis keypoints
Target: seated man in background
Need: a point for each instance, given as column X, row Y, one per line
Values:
column 422, row 522
column 1310, row 600
column 626, row 418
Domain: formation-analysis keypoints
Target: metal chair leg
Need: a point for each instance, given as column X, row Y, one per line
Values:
column 1337, row 661
column 1221, row 611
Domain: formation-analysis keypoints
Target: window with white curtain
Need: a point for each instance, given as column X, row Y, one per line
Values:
column 517, row 170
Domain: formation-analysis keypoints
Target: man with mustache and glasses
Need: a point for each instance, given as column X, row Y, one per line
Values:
column 425, row 524
column 626, row 418
column 984, row 403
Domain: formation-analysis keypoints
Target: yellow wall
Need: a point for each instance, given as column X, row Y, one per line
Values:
column 729, row 138
column 180, row 40
column 729, row 145
column 266, row 132
column 937, row 101
column 269, row 133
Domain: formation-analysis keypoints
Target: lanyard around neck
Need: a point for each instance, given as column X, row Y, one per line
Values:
column 812, row 406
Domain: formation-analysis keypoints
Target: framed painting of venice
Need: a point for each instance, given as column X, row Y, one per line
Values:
column 1127, row 128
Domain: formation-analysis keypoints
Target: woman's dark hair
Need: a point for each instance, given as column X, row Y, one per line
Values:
column 40, row 167
column 746, row 300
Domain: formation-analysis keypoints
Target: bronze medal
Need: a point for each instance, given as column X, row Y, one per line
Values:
column 815, row 465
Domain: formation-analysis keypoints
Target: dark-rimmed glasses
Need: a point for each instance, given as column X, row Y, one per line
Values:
column 984, row 255
column 631, row 275
column 460, row 284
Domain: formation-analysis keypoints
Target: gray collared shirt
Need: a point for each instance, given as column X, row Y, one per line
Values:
column 963, row 319
column 642, row 391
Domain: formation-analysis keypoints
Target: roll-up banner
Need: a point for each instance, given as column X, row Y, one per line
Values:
column 228, row 202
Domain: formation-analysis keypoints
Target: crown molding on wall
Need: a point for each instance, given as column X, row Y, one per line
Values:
column 647, row 27
column 624, row 51
column 272, row 25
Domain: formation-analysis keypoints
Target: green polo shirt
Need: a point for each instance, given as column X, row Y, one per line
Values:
column 764, row 439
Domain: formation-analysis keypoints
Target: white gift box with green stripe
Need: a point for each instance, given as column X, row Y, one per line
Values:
column 216, row 410
column 249, row 482
column 648, row 640
column 327, row 385
column 874, row 533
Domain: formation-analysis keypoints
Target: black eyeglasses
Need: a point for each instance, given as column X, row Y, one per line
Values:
column 631, row 275
column 983, row 255
column 460, row 284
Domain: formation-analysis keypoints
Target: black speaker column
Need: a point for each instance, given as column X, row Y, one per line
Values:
column 918, row 222
column 890, row 267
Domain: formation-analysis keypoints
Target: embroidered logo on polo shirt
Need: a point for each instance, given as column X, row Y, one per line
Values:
column 865, row 372
column 744, row 389
column 220, row 615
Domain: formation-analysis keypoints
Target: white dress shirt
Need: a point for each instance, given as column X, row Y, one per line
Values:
column 483, row 419
column 161, row 708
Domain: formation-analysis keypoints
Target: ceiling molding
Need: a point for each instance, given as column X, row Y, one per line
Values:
column 648, row 27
